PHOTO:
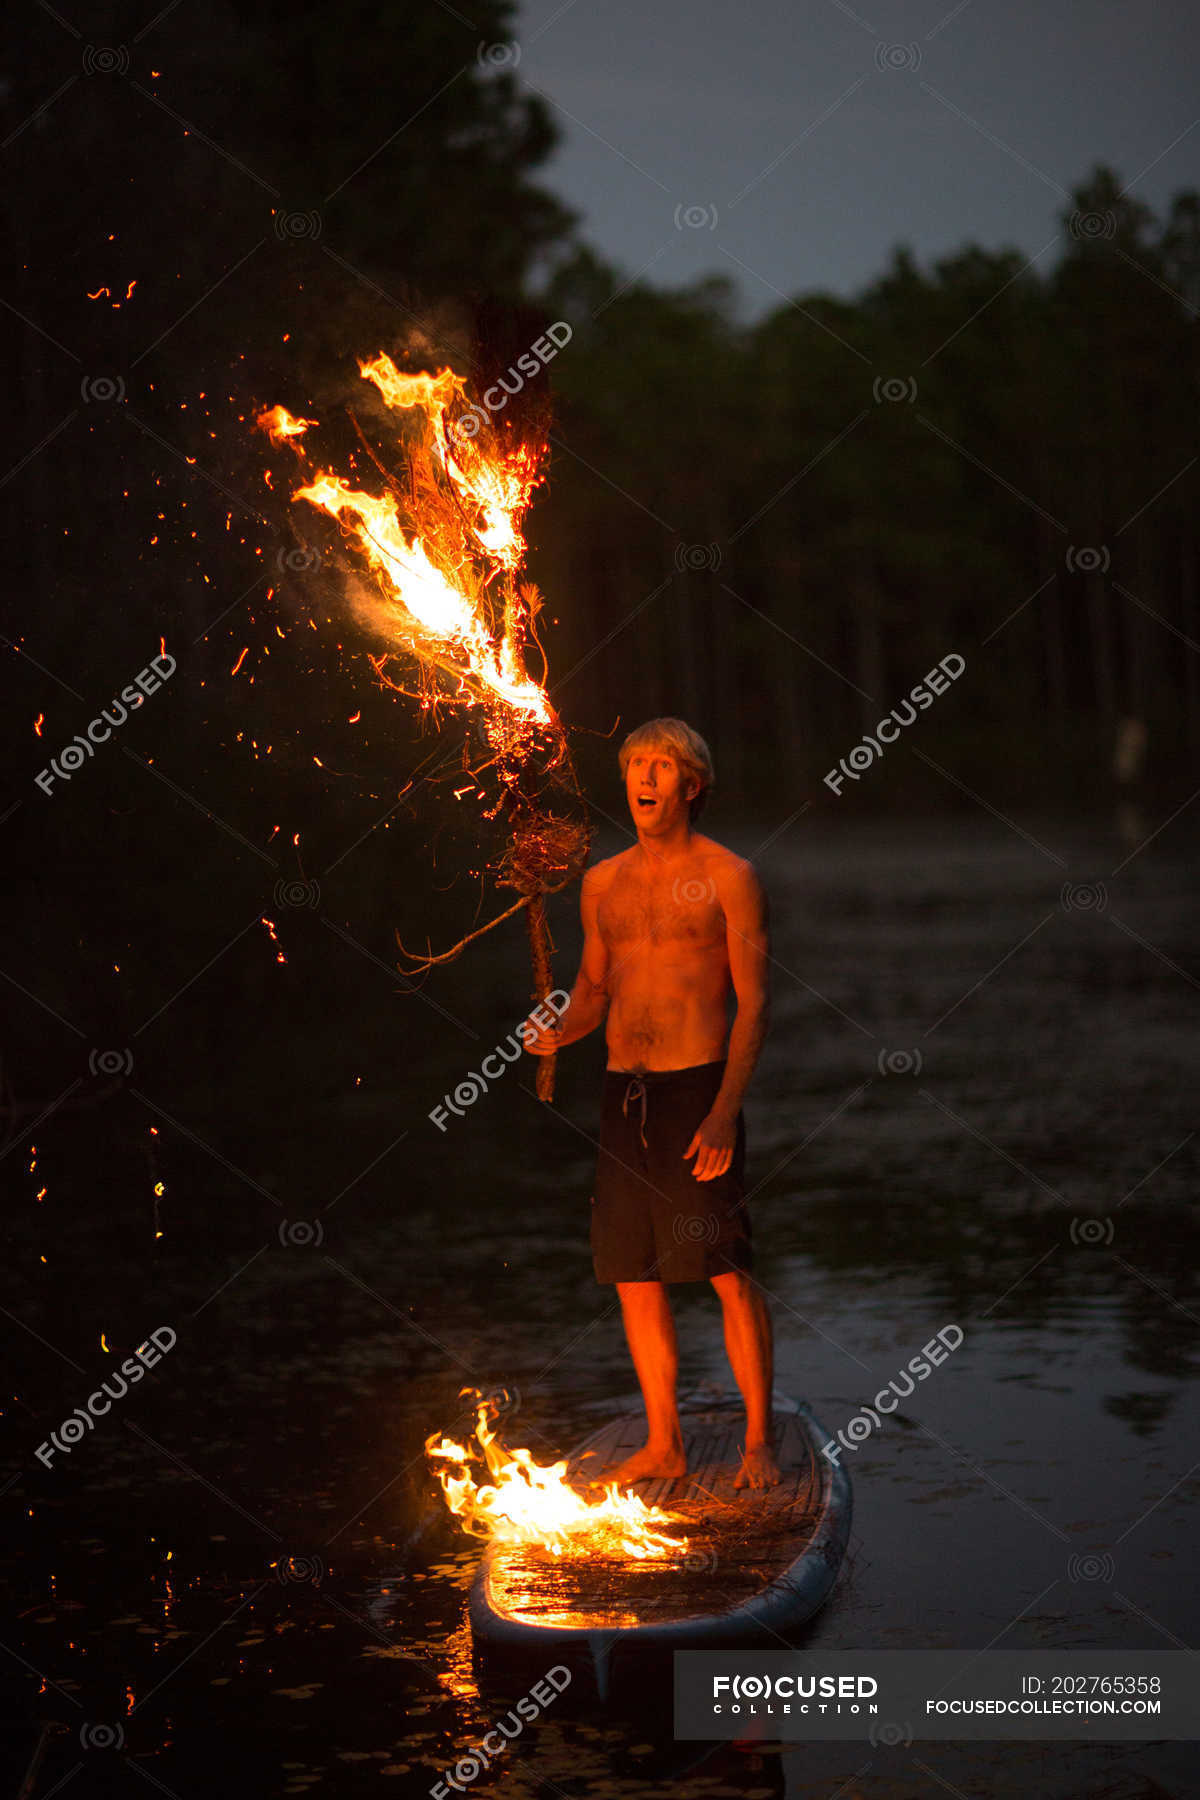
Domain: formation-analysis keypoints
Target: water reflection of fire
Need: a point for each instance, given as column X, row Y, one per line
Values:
column 531, row 1503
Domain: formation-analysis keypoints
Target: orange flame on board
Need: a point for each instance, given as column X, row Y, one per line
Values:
column 530, row 1503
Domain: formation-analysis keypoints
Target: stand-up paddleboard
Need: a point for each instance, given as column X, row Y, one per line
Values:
column 759, row 1562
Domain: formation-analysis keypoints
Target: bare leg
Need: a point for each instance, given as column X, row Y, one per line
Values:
column 650, row 1330
column 749, row 1347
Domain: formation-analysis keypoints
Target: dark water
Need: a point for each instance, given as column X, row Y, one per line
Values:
column 976, row 1107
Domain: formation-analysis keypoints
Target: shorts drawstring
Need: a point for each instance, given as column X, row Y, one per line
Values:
column 636, row 1090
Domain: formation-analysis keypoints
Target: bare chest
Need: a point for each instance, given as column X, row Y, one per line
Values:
column 683, row 912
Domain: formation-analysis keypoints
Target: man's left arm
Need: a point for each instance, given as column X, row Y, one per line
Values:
column 746, row 935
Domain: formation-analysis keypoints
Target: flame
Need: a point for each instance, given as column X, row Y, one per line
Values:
column 435, row 606
column 497, row 490
column 280, row 425
column 531, row 1503
column 434, row 393
column 446, row 568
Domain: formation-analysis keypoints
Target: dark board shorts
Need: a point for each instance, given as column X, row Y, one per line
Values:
column 651, row 1219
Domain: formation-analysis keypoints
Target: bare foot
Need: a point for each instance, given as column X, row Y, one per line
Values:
column 646, row 1464
column 759, row 1468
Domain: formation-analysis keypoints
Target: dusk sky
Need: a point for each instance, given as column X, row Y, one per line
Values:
column 796, row 163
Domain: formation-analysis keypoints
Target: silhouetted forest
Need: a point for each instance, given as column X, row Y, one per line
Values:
column 990, row 458
column 775, row 529
column 994, row 457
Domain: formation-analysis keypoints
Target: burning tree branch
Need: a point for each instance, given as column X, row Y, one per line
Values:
column 444, row 545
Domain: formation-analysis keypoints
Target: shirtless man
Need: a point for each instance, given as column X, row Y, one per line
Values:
column 670, row 925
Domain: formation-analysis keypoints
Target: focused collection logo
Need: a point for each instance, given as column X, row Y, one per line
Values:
column 82, row 746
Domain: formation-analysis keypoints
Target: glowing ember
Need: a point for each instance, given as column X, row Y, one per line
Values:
column 280, row 426
column 531, row 1503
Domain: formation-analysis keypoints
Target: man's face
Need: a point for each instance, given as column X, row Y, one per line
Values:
column 658, row 790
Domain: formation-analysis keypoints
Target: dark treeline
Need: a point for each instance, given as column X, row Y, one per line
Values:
column 995, row 458
column 775, row 529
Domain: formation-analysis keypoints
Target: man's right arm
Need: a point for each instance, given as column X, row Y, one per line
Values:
column 588, row 1004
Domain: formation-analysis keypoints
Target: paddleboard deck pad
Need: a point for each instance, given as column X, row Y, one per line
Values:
column 759, row 1562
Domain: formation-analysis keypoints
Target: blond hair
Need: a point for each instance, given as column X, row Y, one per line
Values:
column 685, row 745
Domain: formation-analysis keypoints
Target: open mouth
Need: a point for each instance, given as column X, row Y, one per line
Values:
column 646, row 801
